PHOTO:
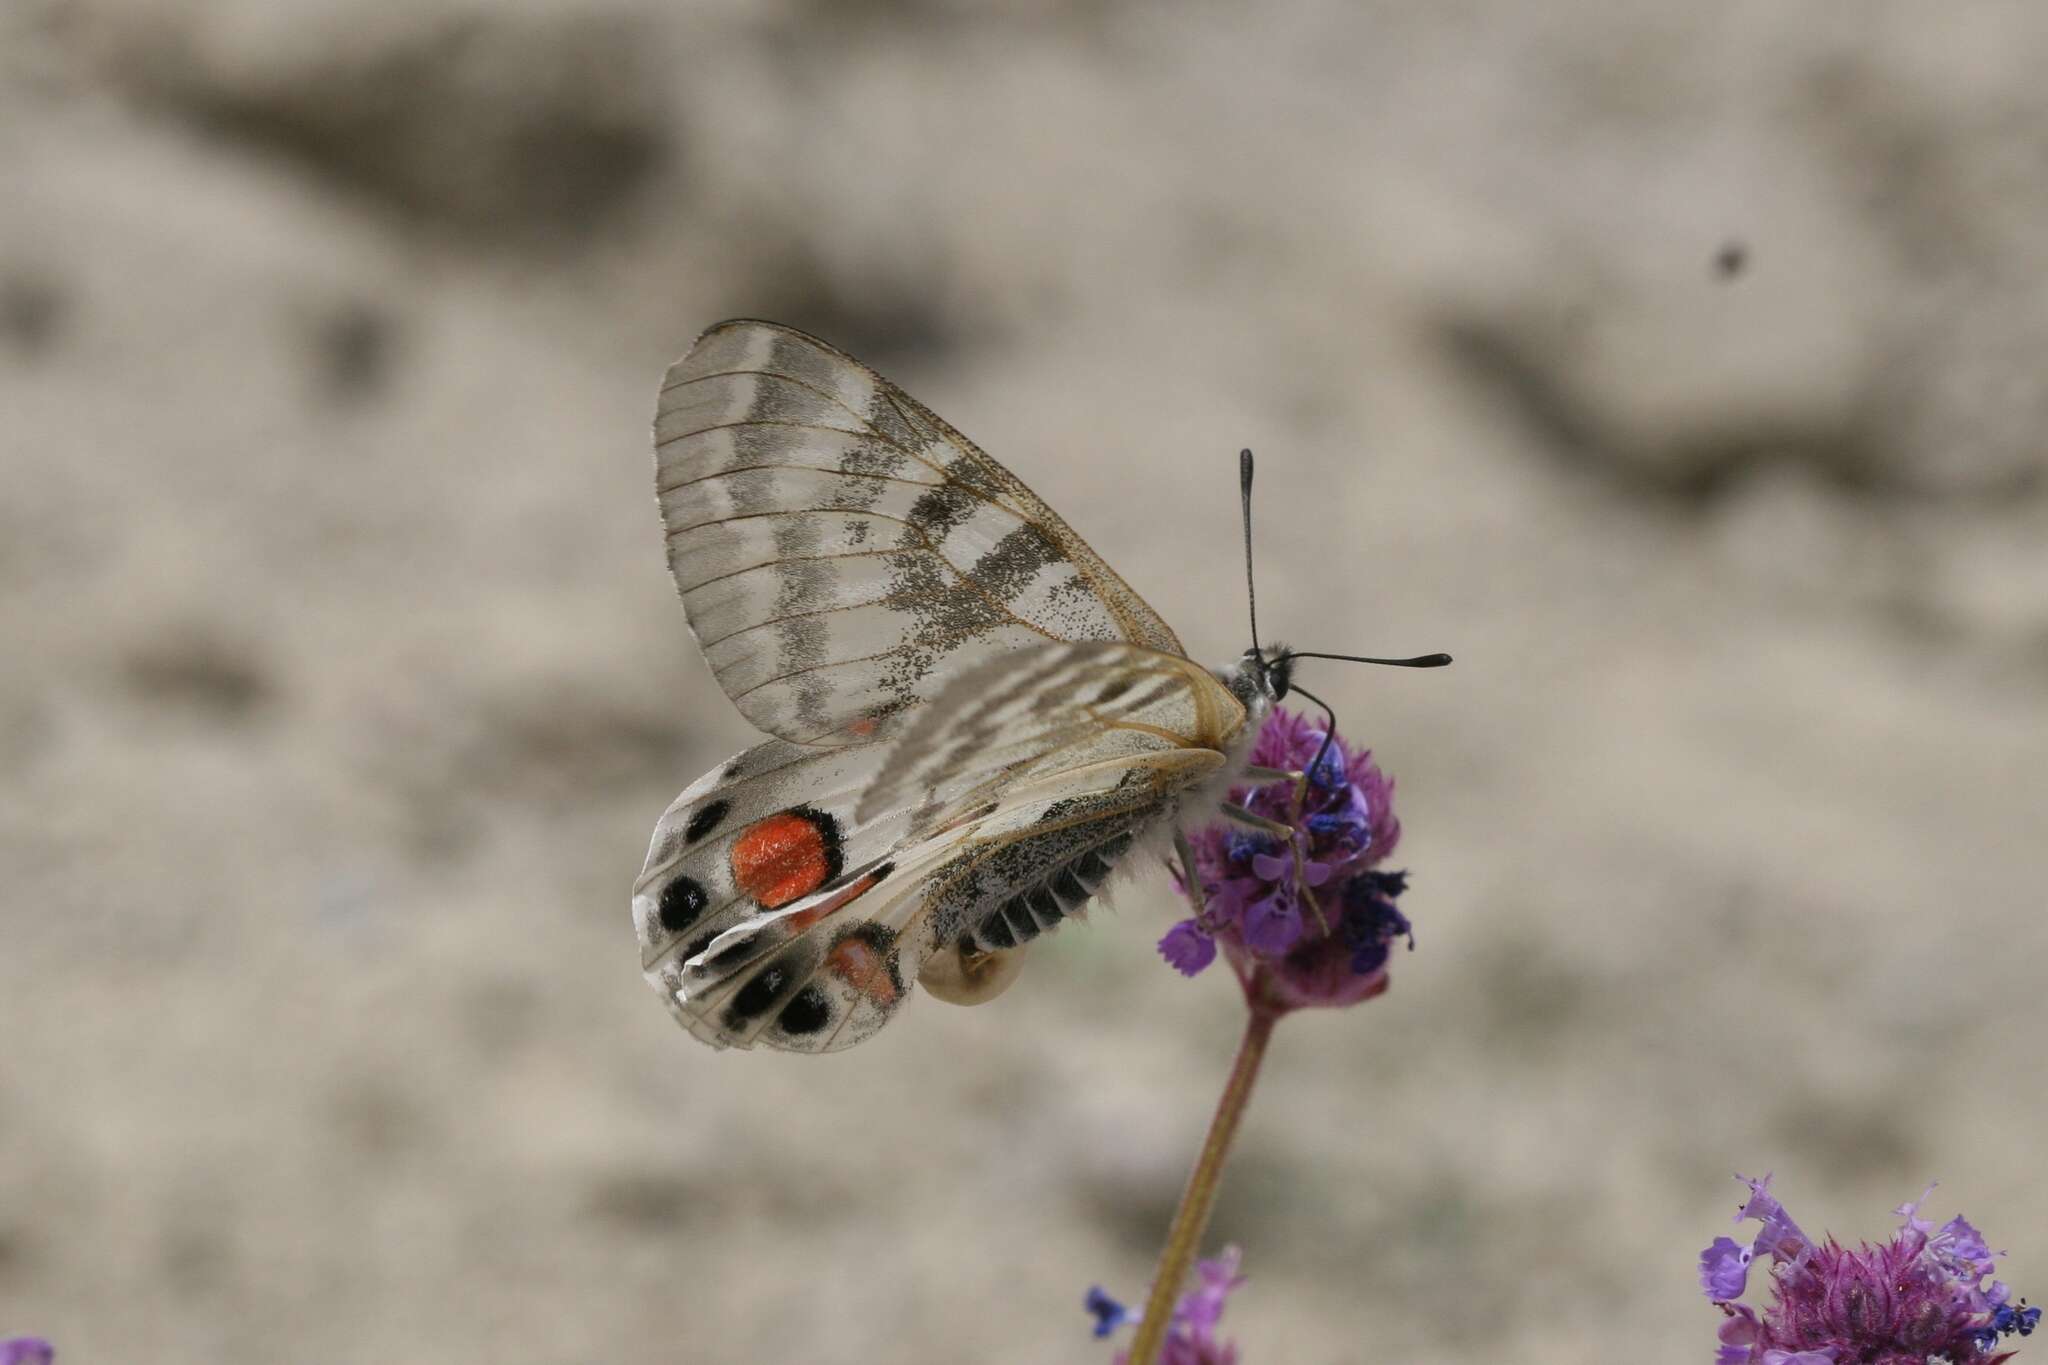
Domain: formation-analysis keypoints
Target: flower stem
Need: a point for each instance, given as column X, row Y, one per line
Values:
column 1191, row 1219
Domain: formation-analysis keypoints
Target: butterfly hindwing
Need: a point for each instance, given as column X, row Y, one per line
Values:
column 763, row 830
column 1019, row 791
column 841, row 551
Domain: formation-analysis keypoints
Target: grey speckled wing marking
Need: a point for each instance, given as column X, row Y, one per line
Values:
column 841, row 552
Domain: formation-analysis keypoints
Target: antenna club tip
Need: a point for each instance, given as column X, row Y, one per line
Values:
column 1433, row 661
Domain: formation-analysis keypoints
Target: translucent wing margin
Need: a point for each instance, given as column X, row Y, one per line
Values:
column 841, row 551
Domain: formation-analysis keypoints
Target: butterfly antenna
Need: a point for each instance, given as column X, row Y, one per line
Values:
column 1329, row 731
column 1244, row 488
column 1419, row 661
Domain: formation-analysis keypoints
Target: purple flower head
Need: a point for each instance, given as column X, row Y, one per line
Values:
column 1191, row 1335
column 1919, row 1298
column 1313, row 913
column 26, row 1351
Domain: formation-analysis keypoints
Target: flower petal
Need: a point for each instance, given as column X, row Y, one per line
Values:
column 1272, row 926
column 1188, row 948
column 1724, row 1269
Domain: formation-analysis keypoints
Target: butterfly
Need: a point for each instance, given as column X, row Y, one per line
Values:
column 973, row 720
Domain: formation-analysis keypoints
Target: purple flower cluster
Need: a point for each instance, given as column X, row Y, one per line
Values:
column 1191, row 1336
column 1318, row 915
column 26, row 1351
column 1918, row 1298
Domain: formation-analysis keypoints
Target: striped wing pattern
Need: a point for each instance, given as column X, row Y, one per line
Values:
column 997, row 814
column 841, row 551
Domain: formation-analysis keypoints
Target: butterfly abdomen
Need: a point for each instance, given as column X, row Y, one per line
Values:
column 1064, row 889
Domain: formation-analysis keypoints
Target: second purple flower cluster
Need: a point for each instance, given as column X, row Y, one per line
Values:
column 1917, row 1298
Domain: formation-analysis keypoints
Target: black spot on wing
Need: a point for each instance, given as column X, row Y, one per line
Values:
column 757, row 995
column 774, row 986
column 807, row 1012
column 682, row 903
column 705, row 821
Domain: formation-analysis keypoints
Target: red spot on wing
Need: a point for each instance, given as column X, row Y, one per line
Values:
column 864, row 727
column 789, row 854
column 861, row 966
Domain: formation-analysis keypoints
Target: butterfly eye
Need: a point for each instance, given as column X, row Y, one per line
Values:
column 1280, row 674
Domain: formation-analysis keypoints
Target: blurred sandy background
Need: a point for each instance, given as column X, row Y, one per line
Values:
column 343, row 680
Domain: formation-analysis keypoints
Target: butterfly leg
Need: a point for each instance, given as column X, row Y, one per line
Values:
column 1284, row 833
column 1258, row 822
column 1266, row 776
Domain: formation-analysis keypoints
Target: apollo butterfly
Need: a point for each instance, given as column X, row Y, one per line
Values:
column 973, row 720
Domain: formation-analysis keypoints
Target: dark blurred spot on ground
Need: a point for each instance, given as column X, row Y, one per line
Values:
column 1528, row 1000
column 647, row 1202
column 1731, row 260
column 552, row 745
column 353, row 346
column 565, row 744
column 1134, row 1207
column 197, row 670
column 1262, row 1200
column 195, row 1254
column 888, row 323
column 32, row 312
column 1691, row 469
column 1857, row 1140
column 1262, row 1194
column 27, row 733
column 502, row 1016
column 375, row 1117
column 508, row 129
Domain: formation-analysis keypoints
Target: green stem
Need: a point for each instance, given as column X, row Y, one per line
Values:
column 1191, row 1219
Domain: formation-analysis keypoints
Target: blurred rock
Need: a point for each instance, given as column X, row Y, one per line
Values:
column 509, row 128
column 32, row 308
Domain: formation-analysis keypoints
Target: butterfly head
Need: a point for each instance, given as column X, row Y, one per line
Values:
column 1260, row 678
column 1275, row 668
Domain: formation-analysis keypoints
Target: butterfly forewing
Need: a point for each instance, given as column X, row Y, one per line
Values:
column 841, row 551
